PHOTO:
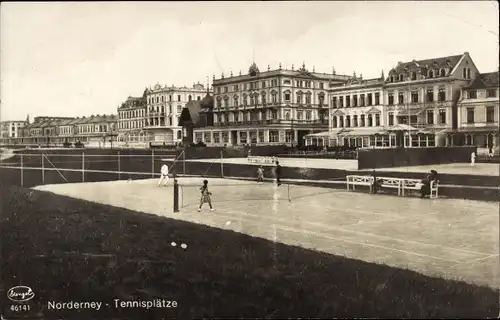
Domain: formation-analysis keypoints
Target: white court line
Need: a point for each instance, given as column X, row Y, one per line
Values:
column 368, row 234
column 475, row 260
column 323, row 235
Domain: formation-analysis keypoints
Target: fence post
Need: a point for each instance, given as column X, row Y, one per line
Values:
column 222, row 164
column 184, row 161
column 152, row 163
column 43, row 171
column 119, row 167
column 83, row 166
column 22, row 171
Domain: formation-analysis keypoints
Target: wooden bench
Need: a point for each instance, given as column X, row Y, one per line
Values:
column 354, row 181
column 416, row 184
column 391, row 183
column 257, row 159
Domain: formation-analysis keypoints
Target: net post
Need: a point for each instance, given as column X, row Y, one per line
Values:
column 43, row 171
column 222, row 164
column 119, row 166
column 83, row 166
column 152, row 163
column 22, row 171
column 176, row 194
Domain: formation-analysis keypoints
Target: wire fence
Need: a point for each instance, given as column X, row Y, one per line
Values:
column 30, row 169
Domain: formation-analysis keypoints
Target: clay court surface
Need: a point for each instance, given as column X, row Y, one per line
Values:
column 454, row 239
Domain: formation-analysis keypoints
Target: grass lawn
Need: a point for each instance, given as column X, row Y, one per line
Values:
column 72, row 250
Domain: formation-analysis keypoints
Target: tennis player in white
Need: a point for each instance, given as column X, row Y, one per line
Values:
column 164, row 175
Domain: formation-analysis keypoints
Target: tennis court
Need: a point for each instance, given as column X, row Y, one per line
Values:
column 454, row 239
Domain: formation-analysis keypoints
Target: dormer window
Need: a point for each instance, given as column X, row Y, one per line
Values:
column 413, row 76
column 401, row 77
column 443, row 72
column 431, row 74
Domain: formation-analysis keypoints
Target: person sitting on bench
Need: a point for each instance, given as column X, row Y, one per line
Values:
column 425, row 190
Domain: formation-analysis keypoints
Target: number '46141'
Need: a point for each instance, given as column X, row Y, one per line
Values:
column 20, row 307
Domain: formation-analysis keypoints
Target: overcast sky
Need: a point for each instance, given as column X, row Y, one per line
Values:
column 75, row 59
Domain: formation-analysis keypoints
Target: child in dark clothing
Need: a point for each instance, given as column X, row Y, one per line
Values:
column 205, row 196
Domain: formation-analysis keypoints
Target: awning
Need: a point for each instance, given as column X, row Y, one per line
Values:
column 479, row 129
column 362, row 132
column 325, row 134
column 411, row 112
column 402, row 127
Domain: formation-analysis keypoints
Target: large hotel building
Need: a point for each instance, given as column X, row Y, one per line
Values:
column 270, row 107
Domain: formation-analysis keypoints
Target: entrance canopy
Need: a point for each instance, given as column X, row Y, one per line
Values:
column 357, row 132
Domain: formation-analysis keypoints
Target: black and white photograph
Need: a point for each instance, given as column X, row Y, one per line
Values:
column 249, row 160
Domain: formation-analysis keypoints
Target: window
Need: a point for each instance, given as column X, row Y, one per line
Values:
column 287, row 116
column 235, row 88
column 347, row 121
column 377, row 120
column 300, row 114
column 225, row 137
column 362, row 100
column 341, row 102
column 263, row 84
column 443, row 73
column 347, row 101
column 169, row 109
column 441, row 95
column 414, row 76
column 321, row 99
column 490, row 114
column 170, row 97
column 308, row 98
column 431, row 74
column 491, row 93
column 442, row 116
column 252, row 101
column 321, row 85
column 354, row 100
column 362, row 122
column 261, row 136
column 287, row 96
column 299, row 98
column 235, row 101
column 354, row 121
column 370, row 120
column 219, row 103
column 216, row 137
column 430, row 117
column 391, row 99
column 334, row 122
column 401, row 98
column 274, row 136
column 179, row 108
column 464, row 73
column 401, row 78
column 245, row 100
column 377, row 98
column 274, row 114
column 470, row 115
column 468, row 73
column 226, row 89
column 308, row 115
column 391, row 118
column 370, row 99
column 430, row 95
column 275, row 97
column 414, row 96
column 334, row 102
column 341, row 121
column 286, row 82
column 207, row 137
column 472, row 94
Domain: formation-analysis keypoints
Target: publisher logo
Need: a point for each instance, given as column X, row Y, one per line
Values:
column 20, row 294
